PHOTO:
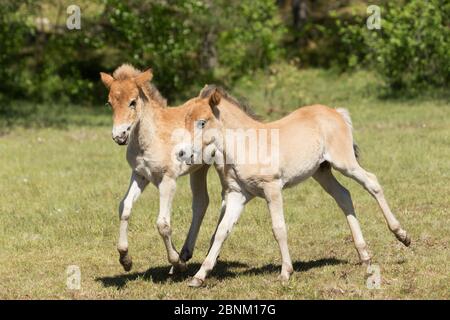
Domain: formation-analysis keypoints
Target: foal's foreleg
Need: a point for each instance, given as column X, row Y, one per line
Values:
column 167, row 188
column 223, row 207
column 200, row 201
column 341, row 195
column 137, row 185
column 274, row 200
column 235, row 205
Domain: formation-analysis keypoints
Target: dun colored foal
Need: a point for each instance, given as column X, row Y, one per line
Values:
column 308, row 143
column 142, row 120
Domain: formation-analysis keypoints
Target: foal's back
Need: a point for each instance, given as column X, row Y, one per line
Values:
column 310, row 136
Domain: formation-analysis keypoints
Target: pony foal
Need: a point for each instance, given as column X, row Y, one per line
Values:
column 142, row 120
column 309, row 142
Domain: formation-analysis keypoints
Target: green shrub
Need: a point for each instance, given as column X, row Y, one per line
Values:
column 185, row 41
column 413, row 48
column 411, row 51
column 250, row 34
column 163, row 35
column 13, row 32
column 45, row 64
column 174, row 36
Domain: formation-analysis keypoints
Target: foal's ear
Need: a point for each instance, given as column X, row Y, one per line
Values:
column 214, row 99
column 107, row 79
column 144, row 77
column 200, row 94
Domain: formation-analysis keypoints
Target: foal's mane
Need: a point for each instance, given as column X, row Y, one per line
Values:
column 127, row 71
column 208, row 90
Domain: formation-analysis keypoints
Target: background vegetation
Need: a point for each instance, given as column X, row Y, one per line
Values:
column 190, row 42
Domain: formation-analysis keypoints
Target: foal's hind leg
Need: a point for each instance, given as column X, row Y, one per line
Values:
column 352, row 169
column 342, row 197
column 274, row 201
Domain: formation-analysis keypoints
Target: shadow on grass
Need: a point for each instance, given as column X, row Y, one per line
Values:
column 222, row 270
column 160, row 274
column 299, row 266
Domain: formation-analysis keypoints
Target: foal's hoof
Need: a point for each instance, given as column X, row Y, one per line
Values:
column 405, row 239
column 283, row 278
column 179, row 268
column 126, row 262
column 196, row 283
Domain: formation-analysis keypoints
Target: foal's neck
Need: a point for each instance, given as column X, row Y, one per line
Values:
column 146, row 125
column 234, row 117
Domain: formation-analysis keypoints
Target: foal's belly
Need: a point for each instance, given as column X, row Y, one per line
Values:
column 296, row 162
column 300, row 162
column 291, row 179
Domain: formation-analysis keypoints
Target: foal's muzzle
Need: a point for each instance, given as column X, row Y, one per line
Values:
column 121, row 140
column 121, row 133
column 185, row 154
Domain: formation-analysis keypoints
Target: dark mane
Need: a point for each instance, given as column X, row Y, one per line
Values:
column 127, row 71
column 244, row 106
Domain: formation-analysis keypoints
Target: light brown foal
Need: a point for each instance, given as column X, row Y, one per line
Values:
column 308, row 143
column 144, row 122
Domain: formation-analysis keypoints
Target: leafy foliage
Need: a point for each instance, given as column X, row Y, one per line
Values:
column 411, row 51
column 248, row 40
column 192, row 42
column 13, row 31
column 184, row 41
column 413, row 48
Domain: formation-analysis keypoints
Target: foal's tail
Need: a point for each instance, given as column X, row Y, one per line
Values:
column 348, row 121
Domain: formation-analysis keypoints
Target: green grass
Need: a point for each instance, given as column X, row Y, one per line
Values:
column 61, row 179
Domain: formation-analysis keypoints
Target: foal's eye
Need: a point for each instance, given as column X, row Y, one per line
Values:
column 201, row 124
column 133, row 104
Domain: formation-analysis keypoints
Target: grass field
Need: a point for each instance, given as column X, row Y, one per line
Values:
column 62, row 177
